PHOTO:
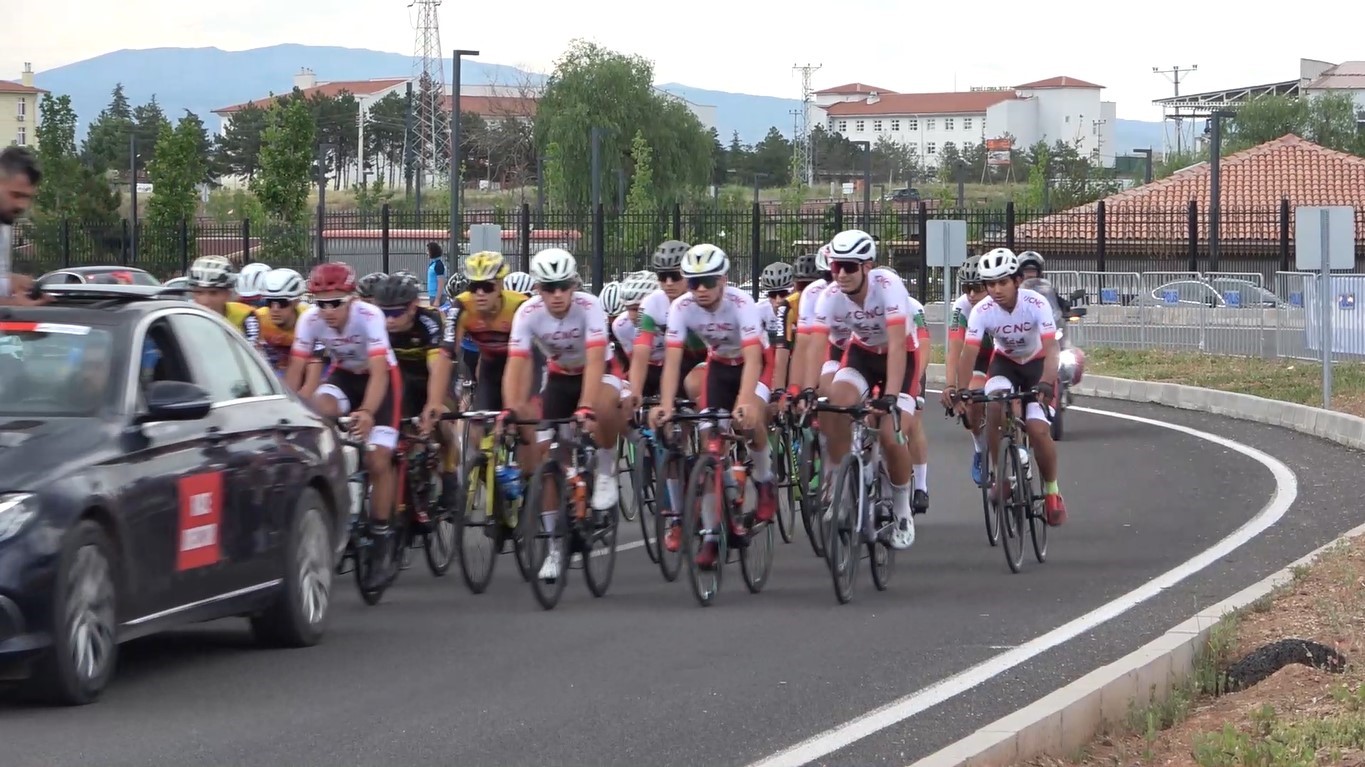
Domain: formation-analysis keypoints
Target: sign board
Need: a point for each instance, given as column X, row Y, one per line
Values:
column 1170, row 297
column 848, row 188
column 945, row 243
column 1309, row 239
column 485, row 237
column 998, row 151
column 1233, row 298
column 1109, row 295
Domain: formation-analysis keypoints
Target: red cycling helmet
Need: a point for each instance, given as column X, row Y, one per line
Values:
column 332, row 277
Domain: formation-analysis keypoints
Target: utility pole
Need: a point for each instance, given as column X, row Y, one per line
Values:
column 1174, row 74
column 803, row 147
column 456, row 228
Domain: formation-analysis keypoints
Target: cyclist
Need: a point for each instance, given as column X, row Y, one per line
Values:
column 873, row 305
column 972, row 292
column 468, row 348
column 211, row 281
column 777, row 281
column 250, row 286
column 806, row 273
column 418, row 337
column 1019, row 321
column 727, row 320
column 364, row 287
column 362, row 382
column 281, row 291
column 626, row 327
column 619, row 349
column 520, row 282
column 570, row 327
column 647, row 360
column 1031, row 267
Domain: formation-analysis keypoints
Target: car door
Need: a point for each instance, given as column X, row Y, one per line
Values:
column 245, row 438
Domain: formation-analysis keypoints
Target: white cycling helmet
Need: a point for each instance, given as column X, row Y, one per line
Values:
column 519, row 282
column 853, row 245
column 998, row 263
column 611, row 299
column 705, row 260
column 635, row 287
column 250, row 281
column 822, row 258
column 285, row 284
column 554, row 265
column 211, row 272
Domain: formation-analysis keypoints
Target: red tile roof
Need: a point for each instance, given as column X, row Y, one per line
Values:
column 1253, row 182
column 327, row 90
column 496, row 107
column 18, row 89
column 852, row 88
column 1057, row 82
column 971, row 102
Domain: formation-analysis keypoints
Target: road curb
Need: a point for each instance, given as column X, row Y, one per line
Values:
column 1066, row 720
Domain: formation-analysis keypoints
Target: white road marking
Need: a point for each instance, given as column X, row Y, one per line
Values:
column 854, row 730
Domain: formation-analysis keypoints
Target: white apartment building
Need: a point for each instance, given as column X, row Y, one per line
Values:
column 1059, row 108
column 19, row 110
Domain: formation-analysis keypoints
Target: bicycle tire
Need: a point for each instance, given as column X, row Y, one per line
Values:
column 645, row 488
column 477, row 572
column 841, row 539
column 881, row 558
column 438, row 543
column 811, row 467
column 992, row 519
column 599, row 563
column 703, row 477
column 756, row 558
column 670, row 562
column 627, row 453
column 1008, row 506
column 786, row 481
column 547, row 594
column 1037, row 512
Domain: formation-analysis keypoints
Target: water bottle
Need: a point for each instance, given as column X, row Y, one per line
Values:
column 508, row 479
column 1024, row 461
column 357, row 489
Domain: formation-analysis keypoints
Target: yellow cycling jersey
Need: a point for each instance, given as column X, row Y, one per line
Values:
column 242, row 317
column 793, row 309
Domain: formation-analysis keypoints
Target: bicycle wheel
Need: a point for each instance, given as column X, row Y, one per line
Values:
column 599, row 543
column 476, row 533
column 881, row 557
column 1037, row 512
column 1008, row 505
column 546, row 531
column 438, row 543
column 704, row 481
column 668, row 516
column 810, row 469
column 756, row 558
column 786, row 481
column 841, row 538
column 643, row 485
column 992, row 520
column 627, row 455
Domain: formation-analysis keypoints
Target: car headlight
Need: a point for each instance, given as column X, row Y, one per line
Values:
column 16, row 509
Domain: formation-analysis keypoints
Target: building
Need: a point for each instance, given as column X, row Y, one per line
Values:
column 1057, row 109
column 19, row 110
column 307, row 83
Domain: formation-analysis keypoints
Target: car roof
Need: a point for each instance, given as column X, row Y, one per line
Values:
column 101, row 304
column 104, row 269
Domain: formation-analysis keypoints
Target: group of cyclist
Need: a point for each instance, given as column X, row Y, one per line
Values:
column 537, row 347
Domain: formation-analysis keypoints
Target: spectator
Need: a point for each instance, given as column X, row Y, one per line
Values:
column 19, row 177
column 436, row 273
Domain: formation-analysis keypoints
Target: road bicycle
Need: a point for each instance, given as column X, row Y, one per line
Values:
column 1017, row 487
column 488, row 501
column 723, row 474
column 859, row 513
column 988, row 509
column 785, row 439
column 676, row 454
column 568, row 523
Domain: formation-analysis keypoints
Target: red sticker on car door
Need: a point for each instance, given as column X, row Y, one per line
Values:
column 201, row 513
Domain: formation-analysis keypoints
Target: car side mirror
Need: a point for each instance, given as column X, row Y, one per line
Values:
column 1077, row 295
column 175, row 401
column 1079, row 311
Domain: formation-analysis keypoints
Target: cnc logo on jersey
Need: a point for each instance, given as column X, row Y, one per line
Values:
column 863, row 315
column 1033, row 301
column 562, row 335
column 1014, row 328
column 716, row 328
column 881, row 280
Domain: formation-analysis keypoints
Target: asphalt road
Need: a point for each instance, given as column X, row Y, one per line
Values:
column 437, row 676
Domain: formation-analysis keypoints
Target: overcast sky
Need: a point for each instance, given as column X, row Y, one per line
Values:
column 750, row 47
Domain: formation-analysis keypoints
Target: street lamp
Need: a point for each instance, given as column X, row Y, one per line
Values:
column 360, row 137
column 866, row 146
column 1147, row 176
column 456, row 231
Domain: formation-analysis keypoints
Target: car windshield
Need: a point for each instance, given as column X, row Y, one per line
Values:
column 54, row 370
column 122, row 277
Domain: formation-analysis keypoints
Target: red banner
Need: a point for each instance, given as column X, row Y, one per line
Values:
column 201, row 514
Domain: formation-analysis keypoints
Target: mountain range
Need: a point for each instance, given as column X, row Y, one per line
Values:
column 204, row 79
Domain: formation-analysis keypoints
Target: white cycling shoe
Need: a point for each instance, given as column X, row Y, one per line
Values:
column 903, row 535
column 549, row 571
column 605, row 493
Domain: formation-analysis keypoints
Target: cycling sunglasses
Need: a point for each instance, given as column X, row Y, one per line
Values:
column 707, row 282
column 330, row 303
column 277, row 303
column 779, row 293
column 847, row 267
column 393, row 311
column 562, row 286
column 973, row 287
column 483, row 286
column 669, row 276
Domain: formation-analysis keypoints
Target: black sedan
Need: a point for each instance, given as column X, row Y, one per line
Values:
column 153, row 473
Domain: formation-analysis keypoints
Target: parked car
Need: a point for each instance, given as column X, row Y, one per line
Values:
column 98, row 275
column 1215, row 292
column 907, row 194
column 153, row 473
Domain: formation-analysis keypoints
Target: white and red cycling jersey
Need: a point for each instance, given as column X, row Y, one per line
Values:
column 565, row 341
column 805, row 321
column 1018, row 334
column 773, row 329
column 734, row 323
column 886, row 303
column 363, row 337
column 623, row 332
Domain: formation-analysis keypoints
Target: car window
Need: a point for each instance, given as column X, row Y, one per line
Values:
column 55, row 370
column 1196, row 292
column 213, row 361
column 59, row 278
column 262, row 380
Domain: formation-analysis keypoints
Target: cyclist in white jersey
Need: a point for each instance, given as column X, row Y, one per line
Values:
column 739, row 364
column 875, row 307
column 569, row 326
column 973, row 291
column 819, row 362
column 776, row 284
column 647, row 359
column 362, row 383
column 1020, row 323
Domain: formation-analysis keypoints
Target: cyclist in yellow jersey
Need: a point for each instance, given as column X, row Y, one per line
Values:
column 211, row 279
column 281, row 291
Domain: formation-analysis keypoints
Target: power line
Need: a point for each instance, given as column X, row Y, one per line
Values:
column 1174, row 75
column 803, row 168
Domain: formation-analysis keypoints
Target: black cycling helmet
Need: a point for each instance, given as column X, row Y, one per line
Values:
column 395, row 290
column 364, row 287
column 668, row 256
column 1031, row 258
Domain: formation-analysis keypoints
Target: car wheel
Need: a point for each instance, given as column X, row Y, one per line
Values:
column 85, row 626
column 299, row 614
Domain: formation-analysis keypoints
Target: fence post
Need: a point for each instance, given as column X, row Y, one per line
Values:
column 1009, row 225
column 1284, row 234
column 525, row 236
column 66, row 242
column 755, row 245
column 384, row 214
column 677, row 221
column 838, row 217
column 922, row 224
column 1101, row 235
column 1192, row 220
column 599, row 246
column 126, row 245
column 184, row 246
column 246, row 241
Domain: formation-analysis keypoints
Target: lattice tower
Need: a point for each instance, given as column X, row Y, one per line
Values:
column 431, row 121
column 803, row 167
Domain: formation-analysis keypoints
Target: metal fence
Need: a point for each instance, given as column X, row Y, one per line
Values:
column 1087, row 240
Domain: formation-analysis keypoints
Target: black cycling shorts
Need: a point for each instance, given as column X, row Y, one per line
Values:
column 872, row 367
column 349, row 391
column 488, row 384
column 560, row 397
column 414, row 395
column 470, row 357
column 1021, row 376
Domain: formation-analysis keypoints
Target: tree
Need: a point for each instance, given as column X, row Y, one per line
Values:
column 719, row 169
column 384, row 140
column 106, row 140
column 770, row 161
column 948, row 160
column 593, row 87
column 285, row 178
column 176, row 171
column 238, row 149
column 148, row 120
column 1328, row 120
column 71, row 189
column 640, row 201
